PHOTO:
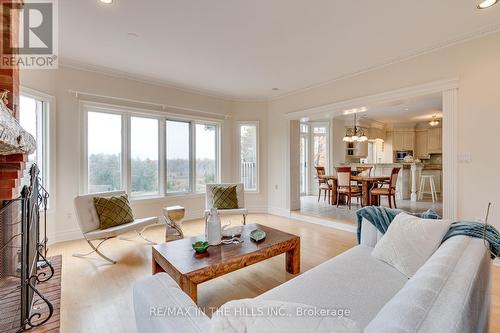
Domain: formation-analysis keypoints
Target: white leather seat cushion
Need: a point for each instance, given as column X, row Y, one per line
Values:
column 450, row 293
column 154, row 296
column 120, row 229
column 353, row 279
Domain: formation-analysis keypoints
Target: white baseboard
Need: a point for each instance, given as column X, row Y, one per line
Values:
column 323, row 222
column 65, row 235
column 278, row 211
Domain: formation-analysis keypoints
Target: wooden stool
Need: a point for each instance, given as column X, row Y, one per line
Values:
column 173, row 218
column 432, row 186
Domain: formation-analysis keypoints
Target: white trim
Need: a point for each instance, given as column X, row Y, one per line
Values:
column 324, row 222
column 50, row 149
column 448, row 89
column 450, row 153
column 337, row 108
column 147, row 104
column 255, row 123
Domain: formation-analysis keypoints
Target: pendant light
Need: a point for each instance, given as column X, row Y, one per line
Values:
column 355, row 134
column 434, row 122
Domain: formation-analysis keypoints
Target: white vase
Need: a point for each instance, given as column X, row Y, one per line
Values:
column 213, row 233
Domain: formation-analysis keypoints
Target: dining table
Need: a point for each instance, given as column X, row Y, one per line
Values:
column 367, row 183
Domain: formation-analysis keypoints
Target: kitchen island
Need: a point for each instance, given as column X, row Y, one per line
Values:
column 408, row 178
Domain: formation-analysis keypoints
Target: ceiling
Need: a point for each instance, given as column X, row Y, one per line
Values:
column 412, row 111
column 242, row 49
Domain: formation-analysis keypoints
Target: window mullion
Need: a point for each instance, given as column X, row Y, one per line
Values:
column 126, row 153
column 192, row 153
column 162, row 156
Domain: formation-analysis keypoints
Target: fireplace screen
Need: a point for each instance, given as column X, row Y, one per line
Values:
column 21, row 252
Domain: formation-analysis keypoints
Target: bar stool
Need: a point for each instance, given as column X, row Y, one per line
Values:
column 432, row 186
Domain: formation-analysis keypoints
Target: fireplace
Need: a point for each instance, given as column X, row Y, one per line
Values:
column 21, row 254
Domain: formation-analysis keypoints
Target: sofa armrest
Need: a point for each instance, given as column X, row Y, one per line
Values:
column 161, row 306
column 369, row 234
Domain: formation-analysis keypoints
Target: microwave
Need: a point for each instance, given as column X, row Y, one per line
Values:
column 400, row 155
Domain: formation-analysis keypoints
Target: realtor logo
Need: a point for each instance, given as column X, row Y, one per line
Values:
column 36, row 47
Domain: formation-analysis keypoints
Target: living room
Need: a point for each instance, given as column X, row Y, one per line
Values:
column 216, row 95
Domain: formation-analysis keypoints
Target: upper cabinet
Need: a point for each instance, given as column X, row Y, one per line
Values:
column 421, row 144
column 434, row 140
column 403, row 140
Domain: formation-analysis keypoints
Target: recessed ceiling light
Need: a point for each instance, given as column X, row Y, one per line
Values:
column 276, row 89
column 132, row 34
column 486, row 4
column 107, row 1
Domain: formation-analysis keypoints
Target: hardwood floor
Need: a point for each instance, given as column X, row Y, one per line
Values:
column 309, row 206
column 97, row 297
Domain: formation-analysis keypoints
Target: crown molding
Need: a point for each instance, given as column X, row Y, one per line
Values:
column 416, row 53
column 69, row 63
column 82, row 66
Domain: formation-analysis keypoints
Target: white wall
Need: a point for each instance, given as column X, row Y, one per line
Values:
column 477, row 65
column 62, row 224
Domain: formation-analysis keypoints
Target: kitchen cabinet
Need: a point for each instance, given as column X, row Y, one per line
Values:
column 421, row 144
column 434, row 141
column 404, row 140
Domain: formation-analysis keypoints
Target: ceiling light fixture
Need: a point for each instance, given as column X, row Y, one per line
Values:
column 276, row 89
column 487, row 4
column 434, row 122
column 108, row 2
column 355, row 133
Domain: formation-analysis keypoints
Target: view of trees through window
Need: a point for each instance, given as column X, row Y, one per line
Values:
column 206, row 155
column 104, row 131
column 104, row 152
column 178, row 156
column 144, row 155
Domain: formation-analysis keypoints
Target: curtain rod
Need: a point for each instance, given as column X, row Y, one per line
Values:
column 163, row 107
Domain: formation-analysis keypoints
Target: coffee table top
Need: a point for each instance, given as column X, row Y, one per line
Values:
column 181, row 256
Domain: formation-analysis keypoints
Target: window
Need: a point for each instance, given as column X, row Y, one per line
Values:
column 147, row 154
column 178, row 156
column 144, row 141
column 32, row 119
column 104, row 152
column 248, row 156
column 320, row 149
column 206, row 156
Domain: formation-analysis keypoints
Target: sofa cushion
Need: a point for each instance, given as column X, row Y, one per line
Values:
column 410, row 241
column 261, row 316
column 449, row 293
column 352, row 280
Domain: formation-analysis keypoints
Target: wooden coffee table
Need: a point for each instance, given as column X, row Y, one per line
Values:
column 189, row 269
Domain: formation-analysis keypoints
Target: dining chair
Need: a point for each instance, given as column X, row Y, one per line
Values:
column 389, row 191
column 344, row 186
column 364, row 171
column 323, row 184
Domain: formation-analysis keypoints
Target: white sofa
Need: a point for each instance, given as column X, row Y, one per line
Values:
column 449, row 293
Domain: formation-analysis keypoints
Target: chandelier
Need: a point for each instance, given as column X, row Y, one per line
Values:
column 434, row 122
column 355, row 133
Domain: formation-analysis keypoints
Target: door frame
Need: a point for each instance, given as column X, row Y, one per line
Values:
column 449, row 91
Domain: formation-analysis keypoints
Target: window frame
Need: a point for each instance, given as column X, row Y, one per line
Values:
column 48, row 140
column 127, row 113
column 238, row 152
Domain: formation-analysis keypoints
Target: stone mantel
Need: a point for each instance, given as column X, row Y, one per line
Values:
column 13, row 138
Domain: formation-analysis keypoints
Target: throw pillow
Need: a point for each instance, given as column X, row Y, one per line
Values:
column 225, row 197
column 409, row 242
column 113, row 211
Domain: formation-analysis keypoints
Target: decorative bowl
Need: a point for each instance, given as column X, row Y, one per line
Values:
column 200, row 246
column 232, row 231
column 257, row 235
